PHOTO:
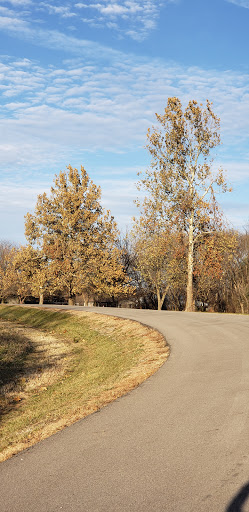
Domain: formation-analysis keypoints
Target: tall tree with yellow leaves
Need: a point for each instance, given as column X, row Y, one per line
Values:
column 181, row 183
column 77, row 237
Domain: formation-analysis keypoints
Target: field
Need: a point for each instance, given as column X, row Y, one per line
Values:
column 58, row 367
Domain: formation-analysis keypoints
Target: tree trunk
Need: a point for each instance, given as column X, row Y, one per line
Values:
column 190, row 302
column 159, row 300
column 71, row 296
column 242, row 308
column 41, row 298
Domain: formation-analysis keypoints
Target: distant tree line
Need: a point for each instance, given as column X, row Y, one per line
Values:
column 221, row 284
column 179, row 255
column 157, row 268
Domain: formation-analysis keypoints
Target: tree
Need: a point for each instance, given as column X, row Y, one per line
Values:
column 76, row 237
column 238, row 274
column 5, row 251
column 213, row 261
column 20, row 278
column 159, row 256
column 26, row 273
column 181, row 183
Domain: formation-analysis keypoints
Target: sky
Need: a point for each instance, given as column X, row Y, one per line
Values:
column 81, row 82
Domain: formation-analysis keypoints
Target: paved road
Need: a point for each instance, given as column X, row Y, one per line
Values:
column 178, row 443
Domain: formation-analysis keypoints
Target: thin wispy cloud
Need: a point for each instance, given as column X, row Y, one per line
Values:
column 79, row 108
column 12, row 25
column 80, row 101
column 62, row 10
column 14, row 16
column 5, row 11
column 17, row 3
column 129, row 18
column 240, row 3
column 21, row 28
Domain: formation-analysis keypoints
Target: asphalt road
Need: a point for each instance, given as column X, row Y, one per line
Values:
column 178, row 443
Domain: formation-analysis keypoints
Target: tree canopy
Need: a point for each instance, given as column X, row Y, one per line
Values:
column 77, row 237
column 181, row 184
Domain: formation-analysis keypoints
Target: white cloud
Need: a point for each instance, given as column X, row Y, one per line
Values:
column 15, row 201
column 101, row 100
column 240, row 3
column 104, row 100
column 17, row 3
column 236, row 171
column 115, row 9
column 23, row 197
column 12, row 24
column 4, row 11
column 236, row 208
column 80, row 108
column 62, row 10
column 53, row 39
column 133, row 18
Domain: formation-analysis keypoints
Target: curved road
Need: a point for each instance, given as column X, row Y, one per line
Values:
column 178, row 443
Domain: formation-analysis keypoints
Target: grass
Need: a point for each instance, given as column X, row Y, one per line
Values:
column 58, row 367
column 14, row 351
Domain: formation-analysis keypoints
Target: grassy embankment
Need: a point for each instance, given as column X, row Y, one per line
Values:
column 58, row 367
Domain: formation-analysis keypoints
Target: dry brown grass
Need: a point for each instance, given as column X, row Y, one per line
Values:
column 54, row 392
column 46, row 363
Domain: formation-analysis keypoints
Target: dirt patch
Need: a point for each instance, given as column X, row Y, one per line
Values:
column 45, row 364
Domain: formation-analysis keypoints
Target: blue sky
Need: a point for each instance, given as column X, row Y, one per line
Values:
column 81, row 82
